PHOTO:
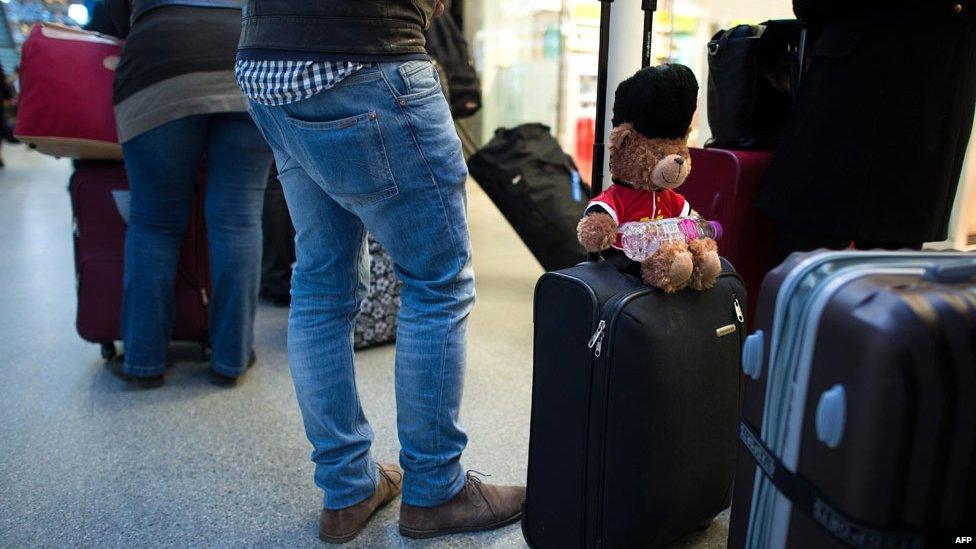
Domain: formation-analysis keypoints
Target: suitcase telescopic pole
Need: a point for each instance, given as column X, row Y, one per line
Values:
column 649, row 7
column 599, row 123
column 599, row 146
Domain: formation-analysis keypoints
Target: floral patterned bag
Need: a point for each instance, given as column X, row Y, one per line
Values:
column 377, row 320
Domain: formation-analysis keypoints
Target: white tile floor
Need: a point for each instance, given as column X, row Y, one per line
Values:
column 84, row 462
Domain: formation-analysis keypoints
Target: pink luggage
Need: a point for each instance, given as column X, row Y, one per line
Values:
column 65, row 106
column 723, row 186
column 99, row 200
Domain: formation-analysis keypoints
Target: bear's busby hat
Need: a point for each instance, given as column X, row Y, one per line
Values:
column 658, row 101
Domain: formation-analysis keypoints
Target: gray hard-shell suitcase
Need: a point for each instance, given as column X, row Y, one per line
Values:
column 858, row 425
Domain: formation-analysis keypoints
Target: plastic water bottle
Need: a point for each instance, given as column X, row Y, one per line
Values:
column 640, row 239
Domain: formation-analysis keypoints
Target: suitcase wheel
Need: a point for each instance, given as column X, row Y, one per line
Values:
column 206, row 353
column 108, row 350
column 704, row 525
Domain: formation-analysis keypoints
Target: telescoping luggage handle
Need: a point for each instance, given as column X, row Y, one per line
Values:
column 956, row 272
column 600, row 121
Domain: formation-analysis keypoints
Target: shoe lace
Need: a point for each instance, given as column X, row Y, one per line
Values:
column 474, row 484
column 386, row 474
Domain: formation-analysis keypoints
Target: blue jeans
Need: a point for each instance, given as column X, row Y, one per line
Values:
column 164, row 168
column 378, row 152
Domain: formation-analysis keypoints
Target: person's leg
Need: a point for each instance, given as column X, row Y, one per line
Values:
column 328, row 284
column 424, row 227
column 279, row 246
column 238, row 161
column 162, row 164
column 382, row 145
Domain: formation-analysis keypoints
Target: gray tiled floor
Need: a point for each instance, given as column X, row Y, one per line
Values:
column 84, row 462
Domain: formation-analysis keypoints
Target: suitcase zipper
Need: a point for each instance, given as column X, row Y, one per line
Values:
column 609, row 314
column 593, row 322
column 597, row 339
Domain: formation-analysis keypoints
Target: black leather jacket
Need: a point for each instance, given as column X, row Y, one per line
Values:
column 354, row 30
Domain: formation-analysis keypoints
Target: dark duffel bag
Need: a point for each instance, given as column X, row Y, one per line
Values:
column 537, row 188
column 634, row 407
column 377, row 320
column 753, row 74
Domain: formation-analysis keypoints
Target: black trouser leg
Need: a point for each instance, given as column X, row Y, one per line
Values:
column 790, row 239
column 279, row 245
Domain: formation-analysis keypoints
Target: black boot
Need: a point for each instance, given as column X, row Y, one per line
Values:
column 142, row 382
column 228, row 381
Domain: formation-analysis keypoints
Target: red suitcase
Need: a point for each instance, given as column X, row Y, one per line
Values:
column 98, row 195
column 723, row 186
column 858, row 427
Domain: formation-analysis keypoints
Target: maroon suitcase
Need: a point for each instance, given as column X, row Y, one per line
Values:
column 98, row 188
column 723, row 186
column 858, row 427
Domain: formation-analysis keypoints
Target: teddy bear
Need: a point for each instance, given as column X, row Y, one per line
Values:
column 649, row 159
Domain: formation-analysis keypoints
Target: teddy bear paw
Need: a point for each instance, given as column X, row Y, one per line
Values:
column 707, row 265
column 596, row 232
column 670, row 268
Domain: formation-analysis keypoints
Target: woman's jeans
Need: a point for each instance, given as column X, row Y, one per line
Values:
column 378, row 152
column 164, row 169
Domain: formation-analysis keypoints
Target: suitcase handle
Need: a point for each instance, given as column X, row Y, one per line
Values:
column 624, row 264
column 603, row 58
column 603, row 53
column 953, row 272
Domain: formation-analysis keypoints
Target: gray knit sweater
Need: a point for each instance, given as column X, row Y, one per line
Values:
column 177, row 61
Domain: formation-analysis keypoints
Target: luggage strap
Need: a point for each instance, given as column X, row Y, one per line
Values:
column 805, row 497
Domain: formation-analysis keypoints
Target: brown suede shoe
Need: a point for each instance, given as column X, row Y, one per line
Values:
column 475, row 508
column 342, row 525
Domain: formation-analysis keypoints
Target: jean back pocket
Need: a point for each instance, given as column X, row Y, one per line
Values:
column 348, row 156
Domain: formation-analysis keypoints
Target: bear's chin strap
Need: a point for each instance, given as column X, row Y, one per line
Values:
column 623, row 183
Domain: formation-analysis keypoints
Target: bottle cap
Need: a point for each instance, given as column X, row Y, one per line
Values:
column 717, row 227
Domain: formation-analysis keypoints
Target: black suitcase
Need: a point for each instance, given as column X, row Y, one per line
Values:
column 634, row 407
column 537, row 188
column 634, row 397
